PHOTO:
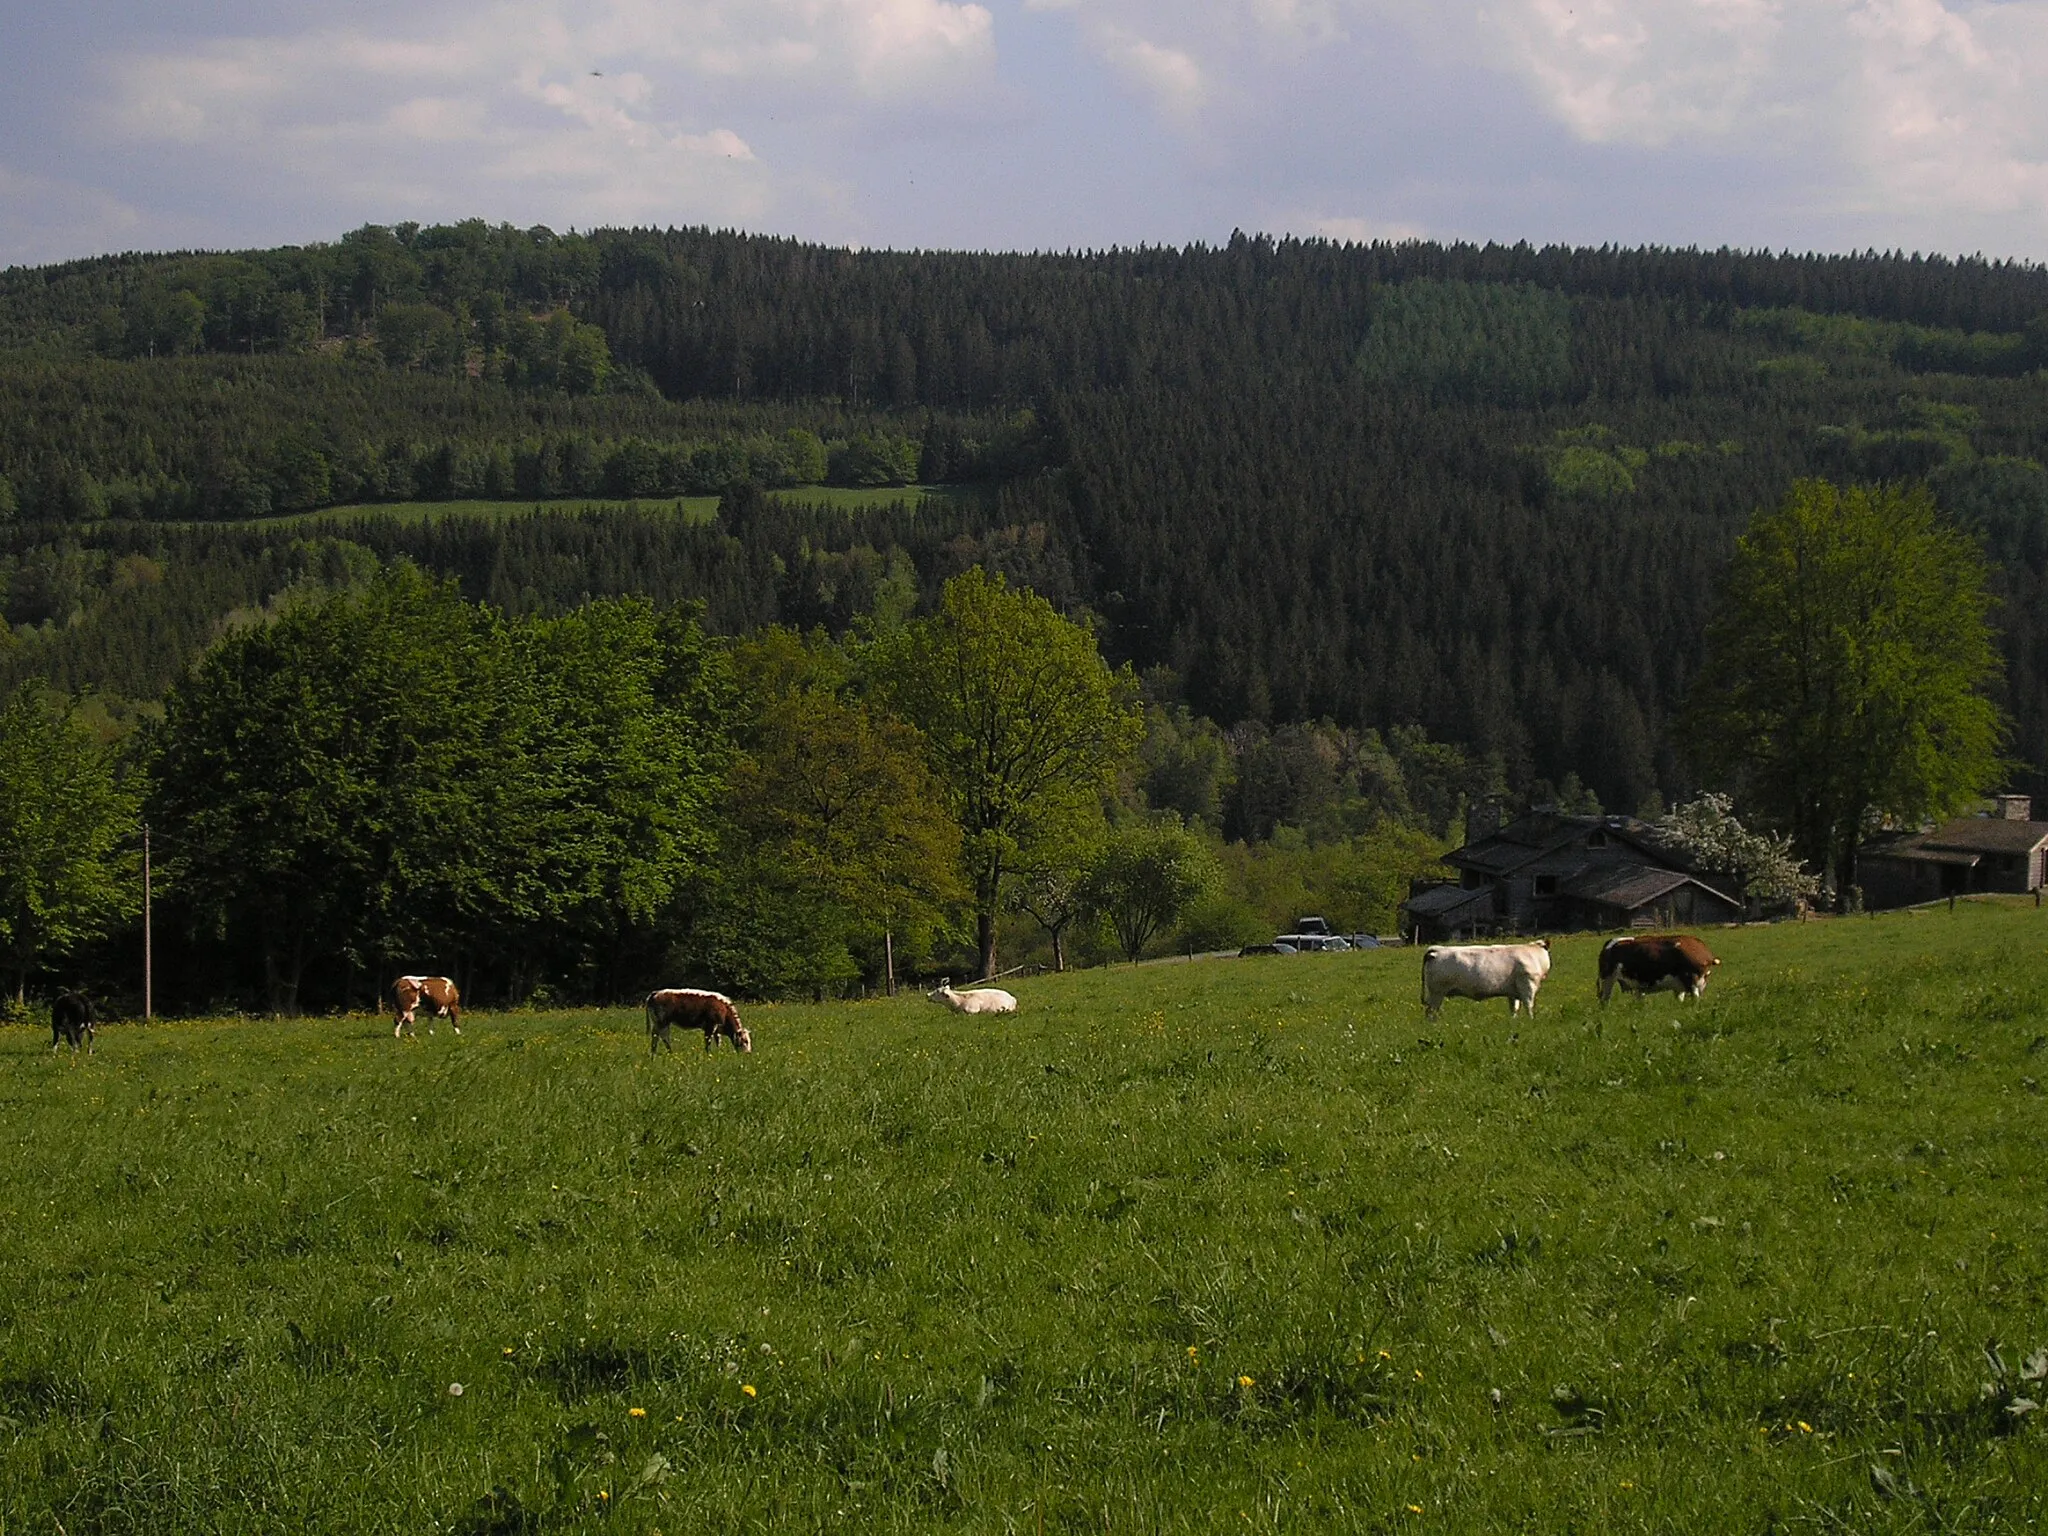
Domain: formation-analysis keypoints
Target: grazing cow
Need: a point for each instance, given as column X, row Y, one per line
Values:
column 1480, row 971
column 1657, row 962
column 711, row 1012
column 71, row 1019
column 438, row 992
column 975, row 999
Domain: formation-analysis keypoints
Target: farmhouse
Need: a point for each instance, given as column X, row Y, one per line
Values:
column 2001, row 850
column 1549, row 872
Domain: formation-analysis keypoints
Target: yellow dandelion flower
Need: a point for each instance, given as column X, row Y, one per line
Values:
column 1414, row 1509
column 1191, row 1353
column 1418, row 1375
column 1385, row 1356
column 508, row 1351
column 1246, row 1381
column 750, row 1391
column 1805, row 1428
column 1627, row 1484
column 636, row 1413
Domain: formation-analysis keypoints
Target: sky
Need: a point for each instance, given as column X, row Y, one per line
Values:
column 1031, row 124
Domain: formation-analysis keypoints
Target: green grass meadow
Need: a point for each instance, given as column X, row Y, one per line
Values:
column 1224, row 1246
column 695, row 509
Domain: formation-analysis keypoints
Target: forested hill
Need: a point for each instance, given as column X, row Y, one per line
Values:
column 1487, row 490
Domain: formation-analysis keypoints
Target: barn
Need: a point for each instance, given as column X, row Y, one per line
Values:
column 1547, row 872
column 2004, row 849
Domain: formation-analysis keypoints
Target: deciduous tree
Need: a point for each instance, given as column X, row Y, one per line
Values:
column 1846, row 669
column 67, row 823
column 1144, row 876
column 1022, row 722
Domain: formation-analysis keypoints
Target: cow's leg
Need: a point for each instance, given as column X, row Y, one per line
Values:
column 455, row 1020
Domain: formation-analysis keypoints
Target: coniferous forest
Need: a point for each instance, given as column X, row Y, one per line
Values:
column 1339, row 506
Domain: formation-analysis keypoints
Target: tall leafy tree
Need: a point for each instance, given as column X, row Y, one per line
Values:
column 308, row 768
column 1023, row 723
column 1144, row 876
column 67, row 826
column 1846, row 670
column 831, row 799
column 400, row 777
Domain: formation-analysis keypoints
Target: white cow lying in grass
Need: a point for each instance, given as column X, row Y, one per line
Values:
column 1479, row 971
column 975, row 999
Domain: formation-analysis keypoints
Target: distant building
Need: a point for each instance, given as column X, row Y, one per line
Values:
column 1547, row 872
column 2002, row 850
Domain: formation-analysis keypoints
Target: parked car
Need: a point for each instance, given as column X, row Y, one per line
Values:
column 1362, row 940
column 1315, row 925
column 1266, row 949
column 1312, row 943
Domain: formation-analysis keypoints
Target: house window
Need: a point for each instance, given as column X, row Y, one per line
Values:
column 1546, row 885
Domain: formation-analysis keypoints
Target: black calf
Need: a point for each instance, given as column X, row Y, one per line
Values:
column 71, row 1020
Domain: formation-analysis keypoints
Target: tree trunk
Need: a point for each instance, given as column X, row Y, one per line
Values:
column 281, row 976
column 1059, row 948
column 985, row 932
column 1845, row 877
column 889, row 960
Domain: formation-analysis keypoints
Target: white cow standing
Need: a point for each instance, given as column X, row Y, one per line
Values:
column 975, row 999
column 1480, row 971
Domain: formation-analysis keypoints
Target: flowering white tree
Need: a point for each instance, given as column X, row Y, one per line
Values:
column 1764, row 867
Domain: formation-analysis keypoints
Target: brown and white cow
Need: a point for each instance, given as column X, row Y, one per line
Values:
column 1656, row 962
column 693, row 1008
column 438, row 992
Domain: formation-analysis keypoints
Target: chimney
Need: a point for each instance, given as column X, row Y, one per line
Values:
column 1482, row 820
column 2014, row 807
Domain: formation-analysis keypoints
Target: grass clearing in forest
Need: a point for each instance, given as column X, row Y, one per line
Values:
column 1225, row 1246
column 695, row 509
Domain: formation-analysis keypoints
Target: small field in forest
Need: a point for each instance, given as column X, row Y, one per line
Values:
column 1225, row 1246
column 695, row 509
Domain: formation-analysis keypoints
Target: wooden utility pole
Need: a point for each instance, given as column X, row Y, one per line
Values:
column 148, row 958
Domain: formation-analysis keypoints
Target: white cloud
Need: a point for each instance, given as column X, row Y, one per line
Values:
column 615, row 110
column 1169, row 76
column 1914, row 107
column 1903, row 106
column 1949, row 110
column 1642, row 71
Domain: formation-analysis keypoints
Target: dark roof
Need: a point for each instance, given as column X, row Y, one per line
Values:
column 1441, row 899
column 1628, row 887
column 1529, row 838
column 1987, row 834
column 1963, row 841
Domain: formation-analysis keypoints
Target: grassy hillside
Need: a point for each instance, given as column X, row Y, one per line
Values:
column 1235, row 1245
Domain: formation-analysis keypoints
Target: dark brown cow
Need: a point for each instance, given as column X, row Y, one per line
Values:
column 438, row 992
column 711, row 1012
column 1657, row 962
column 71, row 1019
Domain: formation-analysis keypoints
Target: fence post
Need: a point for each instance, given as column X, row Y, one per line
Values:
column 148, row 957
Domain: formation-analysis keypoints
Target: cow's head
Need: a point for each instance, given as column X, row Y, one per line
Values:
column 741, row 1040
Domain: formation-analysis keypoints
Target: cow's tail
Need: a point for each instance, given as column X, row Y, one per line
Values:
column 650, row 1015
